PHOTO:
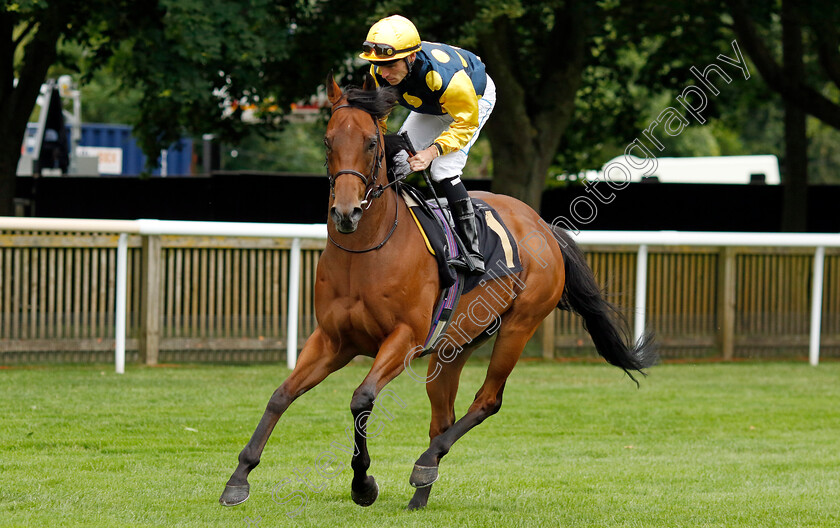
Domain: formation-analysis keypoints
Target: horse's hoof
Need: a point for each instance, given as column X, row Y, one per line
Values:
column 368, row 494
column 234, row 495
column 423, row 476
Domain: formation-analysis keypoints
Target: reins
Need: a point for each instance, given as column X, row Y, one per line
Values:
column 371, row 192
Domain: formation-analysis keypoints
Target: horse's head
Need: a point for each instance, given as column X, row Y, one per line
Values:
column 355, row 150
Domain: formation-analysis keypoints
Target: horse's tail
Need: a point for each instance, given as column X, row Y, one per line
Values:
column 604, row 322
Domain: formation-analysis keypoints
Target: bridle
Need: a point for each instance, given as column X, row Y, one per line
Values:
column 371, row 192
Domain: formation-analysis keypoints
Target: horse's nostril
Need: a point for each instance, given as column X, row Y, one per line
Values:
column 346, row 220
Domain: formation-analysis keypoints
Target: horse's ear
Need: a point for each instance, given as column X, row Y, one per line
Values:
column 333, row 90
column 370, row 83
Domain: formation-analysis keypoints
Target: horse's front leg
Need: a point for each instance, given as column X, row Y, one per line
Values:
column 316, row 361
column 388, row 364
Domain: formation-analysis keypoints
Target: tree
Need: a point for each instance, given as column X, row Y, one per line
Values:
column 801, row 87
column 194, row 62
column 545, row 53
column 536, row 53
column 793, row 48
column 36, row 30
column 560, row 80
column 574, row 79
column 30, row 31
column 539, row 90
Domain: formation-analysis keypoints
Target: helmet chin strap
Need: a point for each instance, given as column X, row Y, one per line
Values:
column 409, row 65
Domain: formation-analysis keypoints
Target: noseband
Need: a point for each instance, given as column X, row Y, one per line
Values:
column 371, row 192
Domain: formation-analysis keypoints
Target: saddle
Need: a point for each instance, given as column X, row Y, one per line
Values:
column 498, row 247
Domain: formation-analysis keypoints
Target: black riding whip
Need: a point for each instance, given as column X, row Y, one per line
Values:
column 448, row 219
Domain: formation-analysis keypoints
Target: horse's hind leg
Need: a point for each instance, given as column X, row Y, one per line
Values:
column 442, row 390
column 317, row 360
column 506, row 351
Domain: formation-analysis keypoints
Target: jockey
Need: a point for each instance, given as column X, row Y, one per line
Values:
column 450, row 97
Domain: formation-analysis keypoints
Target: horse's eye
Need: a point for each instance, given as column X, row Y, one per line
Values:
column 371, row 144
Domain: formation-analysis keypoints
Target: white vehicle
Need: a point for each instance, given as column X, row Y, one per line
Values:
column 763, row 169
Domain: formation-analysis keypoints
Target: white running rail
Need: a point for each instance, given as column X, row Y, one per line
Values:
column 642, row 239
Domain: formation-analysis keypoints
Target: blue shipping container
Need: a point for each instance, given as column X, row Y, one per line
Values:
column 178, row 157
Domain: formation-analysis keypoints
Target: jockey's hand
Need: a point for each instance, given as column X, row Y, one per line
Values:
column 423, row 159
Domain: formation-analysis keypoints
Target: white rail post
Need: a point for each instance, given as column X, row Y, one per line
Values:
column 122, row 273
column 641, row 292
column 816, row 306
column 292, row 316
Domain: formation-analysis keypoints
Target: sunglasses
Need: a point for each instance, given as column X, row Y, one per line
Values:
column 383, row 51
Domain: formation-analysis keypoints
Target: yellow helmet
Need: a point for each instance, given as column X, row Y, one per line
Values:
column 389, row 39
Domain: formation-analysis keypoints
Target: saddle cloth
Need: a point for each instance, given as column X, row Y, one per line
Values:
column 497, row 245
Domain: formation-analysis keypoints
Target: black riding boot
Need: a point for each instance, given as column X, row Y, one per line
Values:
column 464, row 215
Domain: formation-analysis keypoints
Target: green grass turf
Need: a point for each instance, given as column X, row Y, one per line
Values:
column 728, row 445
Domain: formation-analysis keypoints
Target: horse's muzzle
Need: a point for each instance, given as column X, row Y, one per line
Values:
column 346, row 221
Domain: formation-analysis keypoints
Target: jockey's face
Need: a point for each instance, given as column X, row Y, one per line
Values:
column 395, row 72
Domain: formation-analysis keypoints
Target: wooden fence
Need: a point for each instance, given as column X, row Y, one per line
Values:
column 225, row 299
column 215, row 298
column 765, row 293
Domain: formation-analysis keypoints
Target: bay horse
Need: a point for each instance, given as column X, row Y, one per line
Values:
column 376, row 287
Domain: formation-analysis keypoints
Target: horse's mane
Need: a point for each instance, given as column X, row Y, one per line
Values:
column 377, row 103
